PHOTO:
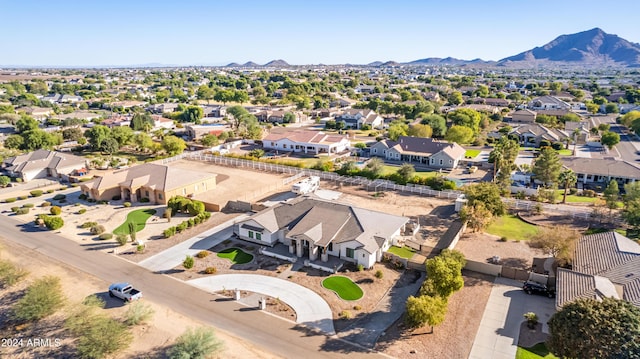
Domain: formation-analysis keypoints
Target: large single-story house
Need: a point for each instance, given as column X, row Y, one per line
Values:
column 604, row 265
column 524, row 115
column 43, row 163
column 313, row 142
column 424, row 151
column 196, row 132
column 356, row 118
column 532, row 134
column 317, row 229
column 38, row 113
column 548, row 103
column 156, row 182
column 601, row 170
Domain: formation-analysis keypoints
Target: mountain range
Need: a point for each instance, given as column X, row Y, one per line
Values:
column 591, row 48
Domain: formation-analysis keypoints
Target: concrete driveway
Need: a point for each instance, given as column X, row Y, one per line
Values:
column 310, row 308
column 497, row 336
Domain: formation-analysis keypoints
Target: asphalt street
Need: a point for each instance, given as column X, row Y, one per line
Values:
column 278, row 336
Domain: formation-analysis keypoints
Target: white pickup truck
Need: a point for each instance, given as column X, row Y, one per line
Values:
column 124, row 291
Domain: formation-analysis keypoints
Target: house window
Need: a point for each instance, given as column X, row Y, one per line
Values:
column 146, row 193
column 258, row 236
column 441, row 161
column 159, row 195
column 350, row 253
column 330, row 246
column 449, row 161
column 250, row 234
column 284, row 146
column 204, row 186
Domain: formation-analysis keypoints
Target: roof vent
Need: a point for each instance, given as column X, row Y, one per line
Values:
column 629, row 275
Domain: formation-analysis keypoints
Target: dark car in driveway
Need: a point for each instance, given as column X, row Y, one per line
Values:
column 531, row 287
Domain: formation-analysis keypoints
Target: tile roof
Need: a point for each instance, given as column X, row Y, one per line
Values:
column 305, row 136
column 40, row 159
column 425, row 146
column 601, row 167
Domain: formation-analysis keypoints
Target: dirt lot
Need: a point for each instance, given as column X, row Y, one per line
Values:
column 481, row 247
column 150, row 340
column 451, row 339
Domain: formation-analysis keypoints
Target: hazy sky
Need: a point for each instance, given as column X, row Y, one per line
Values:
column 191, row 32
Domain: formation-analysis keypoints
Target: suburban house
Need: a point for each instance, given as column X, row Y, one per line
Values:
column 532, row 134
column 156, row 182
column 355, row 118
column 317, row 229
column 548, row 103
column 525, row 115
column 81, row 115
column 579, row 131
column 43, row 163
column 160, row 122
column 313, row 142
column 601, row 170
column 38, row 113
column 196, row 132
column 214, row 110
column 604, row 265
column 161, row 108
column 117, row 121
column 424, row 151
column 60, row 98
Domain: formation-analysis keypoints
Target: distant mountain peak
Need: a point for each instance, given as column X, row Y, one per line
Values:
column 277, row 63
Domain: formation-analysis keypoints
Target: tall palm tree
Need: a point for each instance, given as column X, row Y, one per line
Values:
column 567, row 178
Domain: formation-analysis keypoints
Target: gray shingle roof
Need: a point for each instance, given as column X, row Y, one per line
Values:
column 601, row 167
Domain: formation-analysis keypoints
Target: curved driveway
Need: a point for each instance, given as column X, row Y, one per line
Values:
column 311, row 310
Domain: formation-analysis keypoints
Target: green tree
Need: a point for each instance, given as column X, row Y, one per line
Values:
column 375, row 166
column 205, row 93
column 14, row 142
column 173, row 145
column 397, row 129
column 477, row 217
column 610, row 139
column 611, row 108
column 72, row 134
column 612, row 195
column 455, row 98
column 122, row 134
column 590, row 328
column 141, row 121
column 43, row 298
column 546, row 167
column 628, row 118
column 109, row 145
column 195, row 208
column 466, row 117
column 4, row 181
column 38, row 139
column 557, row 241
column 425, row 310
column 143, row 141
column 420, row 130
column 567, row 178
column 444, row 274
column 437, row 123
column 96, row 135
column 132, row 231
column 192, row 114
column 289, row 117
column 486, row 193
column 406, row 172
column 459, row 134
column 196, row 343
column 503, row 157
column 209, row 140
column 592, row 107
column 26, row 123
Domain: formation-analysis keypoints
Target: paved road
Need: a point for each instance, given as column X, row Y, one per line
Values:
column 268, row 333
column 628, row 147
column 499, row 330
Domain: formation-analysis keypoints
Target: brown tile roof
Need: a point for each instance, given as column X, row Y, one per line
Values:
column 40, row 159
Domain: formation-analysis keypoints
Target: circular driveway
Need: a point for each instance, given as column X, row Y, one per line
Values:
column 311, row 310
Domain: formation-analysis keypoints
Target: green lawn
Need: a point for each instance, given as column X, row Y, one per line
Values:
column 236, row 255
column 388, row 170
column 471, row 153
column 404, row 252
column 344, row 287
column 572, row 198
column 512, row 227
column 138, row 217
column 565, row 152
column 537, row 351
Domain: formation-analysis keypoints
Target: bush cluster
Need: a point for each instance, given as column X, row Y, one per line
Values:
column 88, row 224
column 51, row 222
column 43, row 298
column 191, row 222
column 202, row 254
column 97, row 229
column 60, row 196
column 127, row 204
column 55, row 210
column 36, row 193
column 45, row 204
column 105, row 236
column 10, row 200
column 179, row 204
column 210, row 270
column 82, row 210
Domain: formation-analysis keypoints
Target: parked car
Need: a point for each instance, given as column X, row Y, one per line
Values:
column 124, row 291
column 531, row 287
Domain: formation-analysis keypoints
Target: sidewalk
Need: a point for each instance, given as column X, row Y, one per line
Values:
column 173, row 256
column 499, row 330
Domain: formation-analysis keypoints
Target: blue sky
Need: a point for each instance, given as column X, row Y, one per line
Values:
column 188, row 32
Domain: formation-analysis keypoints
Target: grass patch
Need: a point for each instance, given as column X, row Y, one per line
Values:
column 572, row 198
column 344, row 287
column 404, row 252
column 512, row 227
column 535, row 352
column 564, row 152
column 236, row 255
column 138, row 218
column 389, row 170
column 471, row 153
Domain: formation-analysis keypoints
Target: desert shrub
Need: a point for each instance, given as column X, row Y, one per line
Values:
column 188, row 262
column 589, row 193
column 169, row 232
column 202, row 254
column 345, row 314
column 557, row 146
column 23, row 197
column 195, row 343
column 88, row 224
column 18, row 180
column 573, row 190
column 195, row 208
column 15, row 209
column 210, row 270
column 102, row 202
column 75, row 185
column 10, row 274
column 144, row 200
column 360, row 267
column 10, row 200
column 50, row 191
column 60, row 196
column 103, row 336
column 45, row 204
column 55, row 210
column 379, row 274
column 190, row 223
column 116, row 197
column 22, row 211
column 97, row 229
column 83, row 197
column 36, row 193
column 140, row 248
column 28, row 205
column 105, row 236
column 62, row 188
column 43, row 298
column 122, row 239
column 82, row 211
column 196, row 220
column 52, row 222
column 138, row 313
column 503, row 239
column 127, row 204
column 357, row 307
column 182, row 226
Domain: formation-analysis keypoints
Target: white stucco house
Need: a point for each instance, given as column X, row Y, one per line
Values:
column 312, row 142
column 44, row 163
column 316, row 229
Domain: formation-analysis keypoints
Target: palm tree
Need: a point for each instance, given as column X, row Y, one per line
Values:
column 567, row 178
column 576, row 132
